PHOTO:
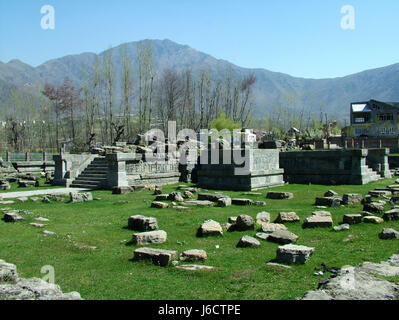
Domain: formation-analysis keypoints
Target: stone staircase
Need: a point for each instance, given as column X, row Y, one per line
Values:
column 94, row 176
column 371, row 175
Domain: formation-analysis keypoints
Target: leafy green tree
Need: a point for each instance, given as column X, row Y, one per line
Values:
column 223, row 122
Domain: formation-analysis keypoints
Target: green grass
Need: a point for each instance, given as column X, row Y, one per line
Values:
column 109, row 273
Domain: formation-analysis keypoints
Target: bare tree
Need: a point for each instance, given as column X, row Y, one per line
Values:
column 109, row 78
column 170, row 94
column 146, row 70
column 126, row 90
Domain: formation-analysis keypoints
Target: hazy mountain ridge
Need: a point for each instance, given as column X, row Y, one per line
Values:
column 271, row 88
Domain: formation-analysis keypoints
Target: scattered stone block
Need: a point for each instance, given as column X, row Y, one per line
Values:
column 49, row 233
column 210, row 228
column 272, row 227
column 242, row 202
column 142, row 223
column 244, row 222
column 389, row 233
column 373, row 219
column 159, row 205
column 150, row 237
column 200, row 203
column 12, row 217
column 162, row 197
column 42, row 219
column 38, row 225
column 214, row 197
column 80, row 197
column 158, row 256
column 196, row 267
column 287, row 217
column 247, row 241
column 27, row 184
column 351, row 199
column 283, row 237
column 317, row 221
column 374, row 207
column 193, row 255
column 263, row 217
column 352, row 218
column 224, row 202
column 391, row 215
column 342, row 227
column 279, row 195
column 334, row 202
column 293, row 254
column 122, row 190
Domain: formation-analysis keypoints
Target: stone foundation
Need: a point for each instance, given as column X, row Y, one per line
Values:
column 334, row 167
column 259, row 169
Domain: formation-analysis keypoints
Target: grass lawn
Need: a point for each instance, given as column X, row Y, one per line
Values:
column 109, row 273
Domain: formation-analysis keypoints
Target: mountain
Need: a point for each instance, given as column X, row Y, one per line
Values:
column 271, row 88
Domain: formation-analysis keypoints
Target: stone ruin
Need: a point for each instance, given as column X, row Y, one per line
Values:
column 124, row 166
column 14, row 288
column 230, row 165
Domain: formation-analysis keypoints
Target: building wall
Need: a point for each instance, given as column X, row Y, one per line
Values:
column 378, row 125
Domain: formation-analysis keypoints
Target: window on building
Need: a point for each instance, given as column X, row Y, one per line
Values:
column 385, row 116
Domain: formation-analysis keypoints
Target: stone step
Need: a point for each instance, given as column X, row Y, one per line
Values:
column 93, row 170
column 98, row 167
column 89, row 182
column 93, row 175
column 85, row 186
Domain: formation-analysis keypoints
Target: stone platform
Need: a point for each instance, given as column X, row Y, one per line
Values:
column 249, row 169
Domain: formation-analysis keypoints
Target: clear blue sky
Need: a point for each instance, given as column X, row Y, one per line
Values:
column 302, row 38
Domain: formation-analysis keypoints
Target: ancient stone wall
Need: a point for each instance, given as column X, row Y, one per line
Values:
column 332, row 166
column 249, row 169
